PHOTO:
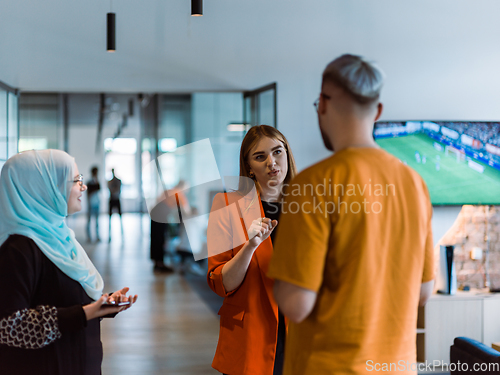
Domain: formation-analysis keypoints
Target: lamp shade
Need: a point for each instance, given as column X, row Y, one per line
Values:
column 197, row 7
column 111, row 33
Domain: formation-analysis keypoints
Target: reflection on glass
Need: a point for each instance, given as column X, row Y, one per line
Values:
column 120, row 156
column 170, row 165
column 266, row 108
column 13, row 124
column 36, row 143
column 120, row 145
column 39, row 118
column 248, row 112
column 3, row 125
column 167, row 144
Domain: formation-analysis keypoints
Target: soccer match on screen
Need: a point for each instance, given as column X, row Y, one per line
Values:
column 459, row 161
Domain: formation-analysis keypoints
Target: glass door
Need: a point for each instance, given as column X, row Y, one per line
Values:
column 9, row 122
column 260, row 106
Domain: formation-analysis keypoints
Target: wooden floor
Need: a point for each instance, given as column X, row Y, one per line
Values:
column 173, row 328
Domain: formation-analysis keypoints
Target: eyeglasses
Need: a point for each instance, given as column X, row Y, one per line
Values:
column 316, row 102
column 79, row 179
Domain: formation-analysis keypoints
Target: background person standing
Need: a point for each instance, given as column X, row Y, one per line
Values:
column 93, row 203
column 114, row 186
column 164, row 223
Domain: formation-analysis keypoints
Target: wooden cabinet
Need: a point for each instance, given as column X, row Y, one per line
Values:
column 444, row 317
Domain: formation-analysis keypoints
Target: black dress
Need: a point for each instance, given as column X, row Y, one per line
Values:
column 272, row 211
column 43, row 329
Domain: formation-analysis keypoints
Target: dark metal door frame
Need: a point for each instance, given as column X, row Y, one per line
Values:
column 250, row 115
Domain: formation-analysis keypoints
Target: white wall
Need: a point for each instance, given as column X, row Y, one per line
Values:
column 442, row 219
column 440, row 57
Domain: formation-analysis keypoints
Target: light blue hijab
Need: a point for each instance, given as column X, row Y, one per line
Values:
column 34, row 192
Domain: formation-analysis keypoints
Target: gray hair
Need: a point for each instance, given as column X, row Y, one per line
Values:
column 361, row 79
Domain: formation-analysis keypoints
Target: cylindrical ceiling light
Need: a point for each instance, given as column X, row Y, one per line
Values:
column 111, row 33
column 197, row 7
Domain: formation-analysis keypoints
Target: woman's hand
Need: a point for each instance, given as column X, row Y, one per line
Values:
column 121, row 296
column 94, row 310
column 234, row 271
column 260, row 230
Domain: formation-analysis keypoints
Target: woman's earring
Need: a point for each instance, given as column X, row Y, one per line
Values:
column 252, row 175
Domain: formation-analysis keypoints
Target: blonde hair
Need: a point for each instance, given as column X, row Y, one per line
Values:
column 360, row 78
column 254, row 135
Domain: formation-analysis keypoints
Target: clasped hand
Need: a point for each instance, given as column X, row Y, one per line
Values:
column 94, row 310
column 260, row 230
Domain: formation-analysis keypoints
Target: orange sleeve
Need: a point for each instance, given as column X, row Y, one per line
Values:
column 302, row 239
column 429, row 266
column 219, row 238
column 214, row 275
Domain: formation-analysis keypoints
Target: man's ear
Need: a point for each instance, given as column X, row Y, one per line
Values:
column 380, row 108
column 322, row 105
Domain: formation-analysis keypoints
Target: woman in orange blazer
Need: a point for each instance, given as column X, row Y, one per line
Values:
column 239, row 236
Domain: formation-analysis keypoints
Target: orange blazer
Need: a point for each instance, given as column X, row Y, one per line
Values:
column 249, row 314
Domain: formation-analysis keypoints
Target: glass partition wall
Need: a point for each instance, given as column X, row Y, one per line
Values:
column 260, row 106
column 191, row 119
column 40, row 125
column 148, row 139
column 87, row 125
column 9, row 123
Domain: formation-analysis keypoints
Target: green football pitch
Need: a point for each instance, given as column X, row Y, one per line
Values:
column 455, row 182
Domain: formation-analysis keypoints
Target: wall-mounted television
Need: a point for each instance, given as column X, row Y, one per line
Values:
column 459, row 161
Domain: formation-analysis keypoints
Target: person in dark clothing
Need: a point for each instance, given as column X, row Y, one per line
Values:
column 93, row 203
column 115, row 187
column 165, row 223
column 52, row 293
column 159, row 237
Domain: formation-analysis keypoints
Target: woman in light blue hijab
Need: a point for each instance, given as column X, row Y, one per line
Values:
column 52, row 293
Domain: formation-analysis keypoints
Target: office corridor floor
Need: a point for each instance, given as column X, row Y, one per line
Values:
column 173, row 328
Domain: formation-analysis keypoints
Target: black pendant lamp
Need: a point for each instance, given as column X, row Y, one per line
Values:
column 197, row 7
column 111, row 34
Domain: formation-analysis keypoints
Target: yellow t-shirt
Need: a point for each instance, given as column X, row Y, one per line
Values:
column 356, row 229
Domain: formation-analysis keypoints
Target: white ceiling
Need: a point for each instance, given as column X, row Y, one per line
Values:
column 59, row 45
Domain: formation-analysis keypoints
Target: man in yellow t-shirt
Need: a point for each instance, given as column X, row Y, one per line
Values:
column 353, row 257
